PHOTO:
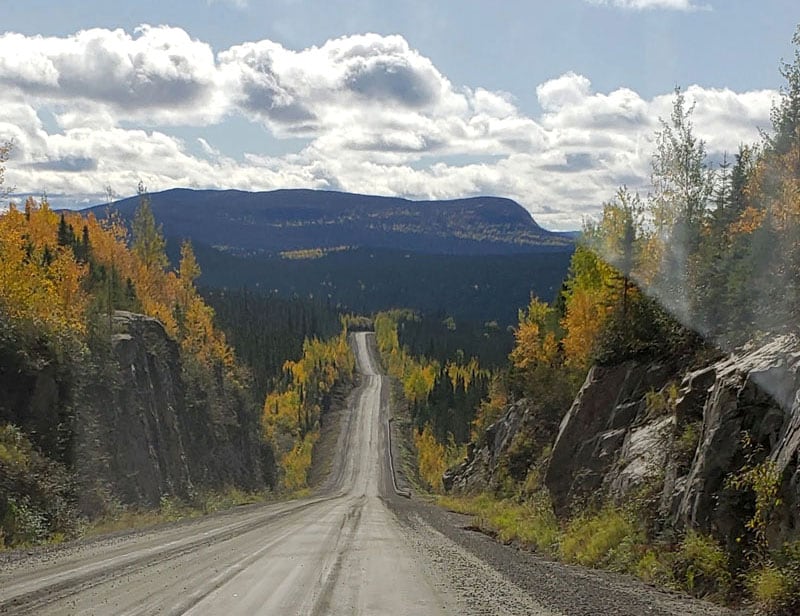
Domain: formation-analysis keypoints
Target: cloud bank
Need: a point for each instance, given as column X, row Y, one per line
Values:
column 642, row 5
column 104, row 108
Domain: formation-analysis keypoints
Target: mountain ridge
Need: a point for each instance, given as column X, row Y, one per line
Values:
column 271, row 222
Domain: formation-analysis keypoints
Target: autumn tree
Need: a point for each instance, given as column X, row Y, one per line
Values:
column 681, row 177
column 616, row 237
column 291, row 414
column 785, row 114
column 537, row 358
column 535, row 343
column 588, row 298
column 188, row 268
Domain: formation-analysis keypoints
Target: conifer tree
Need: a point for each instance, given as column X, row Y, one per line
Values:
column 786, row 114
column 148, row 238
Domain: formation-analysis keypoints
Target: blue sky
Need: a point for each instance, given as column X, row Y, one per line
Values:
column 550, row 103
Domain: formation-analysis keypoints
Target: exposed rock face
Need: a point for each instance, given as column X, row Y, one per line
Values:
column 132, row 423
column 608, row 417
column 750, row 413
column 159, row 434
column 482, row 469
column 681, row 434
column 145, row 436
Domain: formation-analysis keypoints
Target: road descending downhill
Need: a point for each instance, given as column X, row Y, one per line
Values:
column 355, row 547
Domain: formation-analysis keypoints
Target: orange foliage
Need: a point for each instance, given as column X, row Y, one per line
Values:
column 534, row 344
column 44, row 283
column 587, row 313
column 750, row 220
column 490, row 410
column 40, row 282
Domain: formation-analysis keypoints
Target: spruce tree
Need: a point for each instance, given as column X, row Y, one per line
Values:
column 148, row 238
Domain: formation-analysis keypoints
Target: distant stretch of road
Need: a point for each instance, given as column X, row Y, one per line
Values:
column 353, row 548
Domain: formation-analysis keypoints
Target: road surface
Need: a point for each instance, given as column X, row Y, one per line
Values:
column 340, row 552
column 354, row 548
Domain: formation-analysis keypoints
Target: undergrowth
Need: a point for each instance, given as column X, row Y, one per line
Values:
column 531, row 524
column 616, row 539
column 170, row 509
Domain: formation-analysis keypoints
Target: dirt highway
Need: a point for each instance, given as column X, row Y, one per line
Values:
column 340, row 552
column 354, row 548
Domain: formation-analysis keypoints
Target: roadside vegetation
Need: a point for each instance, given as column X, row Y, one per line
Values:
column 706, row 260
column 440, row 394
column 291, row 417
column 171, row 509
column 62, row 277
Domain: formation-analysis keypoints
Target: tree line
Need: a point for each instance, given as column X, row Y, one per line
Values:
column 62, row 277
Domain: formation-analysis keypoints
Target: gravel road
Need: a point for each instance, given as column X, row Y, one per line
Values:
column 355, row 547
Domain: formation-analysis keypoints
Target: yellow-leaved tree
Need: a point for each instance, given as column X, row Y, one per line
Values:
column 291, row 415
column 535, row 344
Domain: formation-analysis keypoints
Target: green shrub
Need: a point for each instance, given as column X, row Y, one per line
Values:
column 764, row 480
column 22, row 522
column 701, row 567
column 532, row 523
column 173, row 508
column 686, row 444
column 771, row 589
column 774, row 587
column 662, row 402
column 37, row 495
column 655, row 567
column 209, row 502
column 610, row 538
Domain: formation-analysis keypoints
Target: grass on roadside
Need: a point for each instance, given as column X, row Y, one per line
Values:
column 612, row 538
column 171, row 509
column 531, row 524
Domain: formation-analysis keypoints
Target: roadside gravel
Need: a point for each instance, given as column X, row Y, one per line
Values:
column 492, row 574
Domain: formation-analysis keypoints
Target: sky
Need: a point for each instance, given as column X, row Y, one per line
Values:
column 551, row 103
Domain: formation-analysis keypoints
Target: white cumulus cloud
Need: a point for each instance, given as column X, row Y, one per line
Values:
column 101, row 108
column 157, row 74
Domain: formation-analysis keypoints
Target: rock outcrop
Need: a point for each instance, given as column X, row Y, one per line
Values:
column 749, row 406
column 608, row 418
column 133, row 421
column 678, row 435
column 486, row 463
column 163, row 434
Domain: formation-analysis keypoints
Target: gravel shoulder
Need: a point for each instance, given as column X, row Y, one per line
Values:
column 555, row 587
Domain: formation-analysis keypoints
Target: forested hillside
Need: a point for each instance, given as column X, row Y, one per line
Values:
column 287, row 221
column 268, row 331
column 467, row 287
column 89, row 387
column 119, row 390
column 674, row 461
column 362, row 254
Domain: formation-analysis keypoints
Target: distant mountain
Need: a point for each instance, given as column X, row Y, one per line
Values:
column 475, row 259
column 248, row 223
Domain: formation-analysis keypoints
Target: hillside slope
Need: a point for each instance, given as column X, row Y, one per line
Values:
column 285, row 220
